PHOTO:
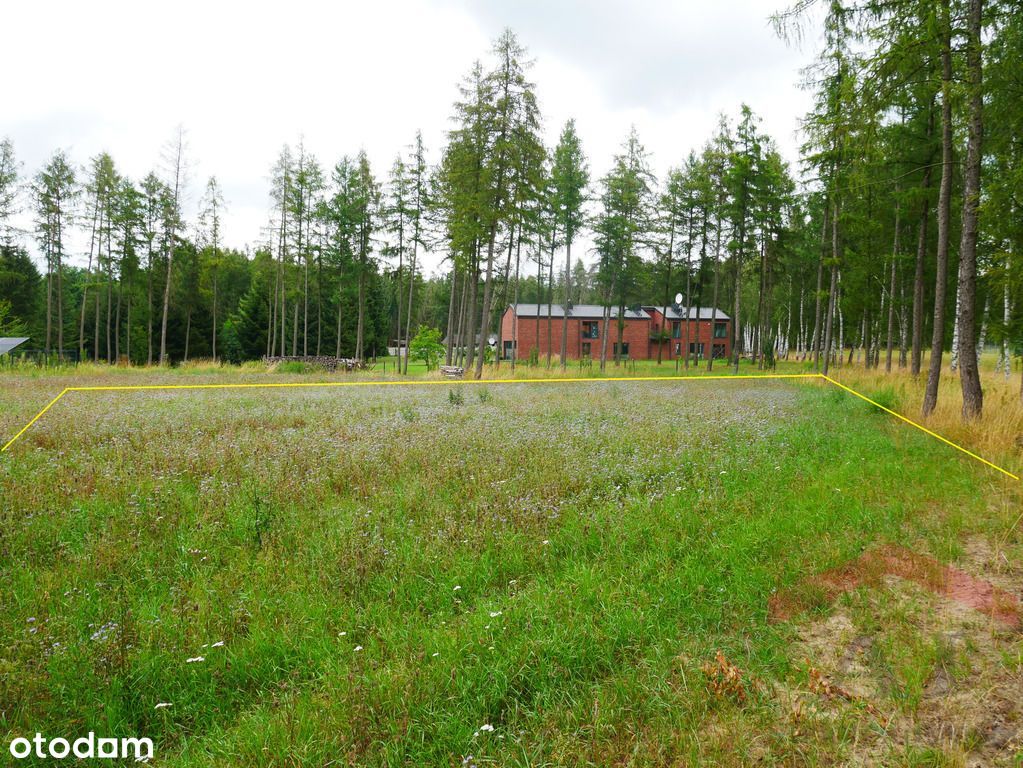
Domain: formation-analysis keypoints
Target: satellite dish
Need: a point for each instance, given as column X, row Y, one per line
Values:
column 678, row 298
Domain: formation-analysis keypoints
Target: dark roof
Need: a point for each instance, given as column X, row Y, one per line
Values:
column 7, row 343
column 695, row 313
column 594, row 311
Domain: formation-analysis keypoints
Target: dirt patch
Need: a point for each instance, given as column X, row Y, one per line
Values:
column 917, row 668
column 870, row 568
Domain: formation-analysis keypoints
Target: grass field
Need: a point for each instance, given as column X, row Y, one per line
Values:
column 496, row 574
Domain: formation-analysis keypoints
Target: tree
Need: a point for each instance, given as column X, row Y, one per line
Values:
column 9, row 172
column 570, row 178
column 55, row 191
column 366, row 202
column 419, row 203
column 973, row 395
column 621, row 225
column 174, row 160
column 427, row 347
column 512, row 124
column 944, row 212
column 210, row 211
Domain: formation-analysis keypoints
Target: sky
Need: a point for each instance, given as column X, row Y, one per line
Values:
column 246, row 78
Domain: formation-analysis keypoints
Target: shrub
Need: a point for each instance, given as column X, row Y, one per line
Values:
column 886, row 397
column 426, row 347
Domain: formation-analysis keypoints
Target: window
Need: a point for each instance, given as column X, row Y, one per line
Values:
column 624, row 349
column 696, row 349
column 678, row 350
column 720, row 330
column 509, row 348
column 676, row 330
column 586, row 349
column 591, row 329
column 719, row 351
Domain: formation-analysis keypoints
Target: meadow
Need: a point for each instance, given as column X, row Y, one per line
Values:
column 487, row 574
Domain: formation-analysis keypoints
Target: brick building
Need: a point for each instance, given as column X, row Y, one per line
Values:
column 645, row 328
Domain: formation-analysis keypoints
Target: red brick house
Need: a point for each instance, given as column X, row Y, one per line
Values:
column 645, row 328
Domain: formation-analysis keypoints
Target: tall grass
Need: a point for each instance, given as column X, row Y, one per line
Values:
column 370, row 577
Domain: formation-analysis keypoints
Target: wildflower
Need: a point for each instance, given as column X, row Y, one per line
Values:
column 486, row 728
column 494, row 614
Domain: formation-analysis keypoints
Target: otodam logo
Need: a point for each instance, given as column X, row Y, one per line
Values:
column 86, row 747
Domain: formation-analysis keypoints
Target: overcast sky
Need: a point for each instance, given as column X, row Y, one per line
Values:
column 246, row 78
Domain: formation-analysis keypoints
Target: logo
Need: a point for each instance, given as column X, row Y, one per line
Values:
column 139, row 750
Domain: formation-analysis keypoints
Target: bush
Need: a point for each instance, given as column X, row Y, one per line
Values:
column 426, row 347
column 292, row 366
column 886, row 397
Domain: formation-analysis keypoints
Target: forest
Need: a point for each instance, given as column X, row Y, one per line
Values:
column 895, row 244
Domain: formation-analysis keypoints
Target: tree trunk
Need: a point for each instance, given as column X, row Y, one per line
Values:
column 564, row 308
column 891, row 298
column 515, row 313
column 401, row 289
column 88, row 276
column 816, row 342
column 973, row 394
column 470, row 319
column 606, row 333
column 550, row 299
column 166, row 300
column 714, row 307
column 451, row 313
column 834, row 288
column 488, row 297
column 944, row 214
column 921, row 251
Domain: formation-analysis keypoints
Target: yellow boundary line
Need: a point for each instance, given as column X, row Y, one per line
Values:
column 449, row 382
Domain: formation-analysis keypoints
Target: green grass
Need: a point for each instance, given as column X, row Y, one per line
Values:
column 390, row 570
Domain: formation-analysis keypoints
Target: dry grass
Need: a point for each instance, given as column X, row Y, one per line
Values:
column 998, row 435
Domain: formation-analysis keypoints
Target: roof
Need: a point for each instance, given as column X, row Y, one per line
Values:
column 7, row 343
column 695, row 313
column 596, row 311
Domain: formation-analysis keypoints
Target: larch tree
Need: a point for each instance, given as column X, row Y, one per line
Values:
column 419, row 205
column 973, row 395
column 9, row 181
column 176, row 177
column 211, row 211
column 571, row 177
column 55, row 191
